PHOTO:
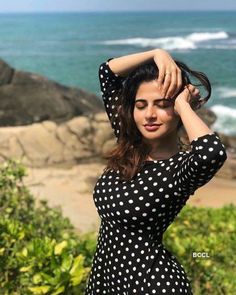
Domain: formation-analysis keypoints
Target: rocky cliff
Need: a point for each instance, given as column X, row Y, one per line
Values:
column 26, row 98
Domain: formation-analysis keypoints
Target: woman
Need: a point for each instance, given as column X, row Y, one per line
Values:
column 148, row 179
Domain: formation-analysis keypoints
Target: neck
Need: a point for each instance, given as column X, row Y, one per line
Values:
column 164, row 147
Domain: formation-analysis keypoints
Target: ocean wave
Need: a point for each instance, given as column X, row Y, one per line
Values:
column 222, row 47
column 226, row 92
column 168, row 43
column 226, row 119
column 190, row 41
column 199, row 37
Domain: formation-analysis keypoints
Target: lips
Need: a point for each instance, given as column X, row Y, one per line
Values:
column 152, row 127
column 154, row 124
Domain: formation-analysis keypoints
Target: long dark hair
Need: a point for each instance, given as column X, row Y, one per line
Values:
column 131, row 151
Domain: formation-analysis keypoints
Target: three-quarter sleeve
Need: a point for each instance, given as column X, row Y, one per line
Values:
column 199, row 165
column 111, row 87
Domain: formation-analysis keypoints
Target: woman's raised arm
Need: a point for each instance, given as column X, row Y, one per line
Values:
column 169, row 73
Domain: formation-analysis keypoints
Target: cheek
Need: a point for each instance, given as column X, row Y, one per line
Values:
column 167, row 115
column 137, row 116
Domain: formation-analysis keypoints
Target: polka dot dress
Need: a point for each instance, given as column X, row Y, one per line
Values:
column 130, row 257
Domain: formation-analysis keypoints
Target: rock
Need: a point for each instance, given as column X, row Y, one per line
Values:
column 108, row 146
column 40, row 146
column 27, row 98
column 10, row 147
column 45, row 144
column 101, row 136
column 49, row 125
column 6, row 73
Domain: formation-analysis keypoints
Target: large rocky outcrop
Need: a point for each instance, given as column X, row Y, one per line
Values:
column 26, row 98
column 81, row 139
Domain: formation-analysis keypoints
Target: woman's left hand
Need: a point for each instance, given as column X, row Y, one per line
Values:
column 190, row 94
column 170, row 78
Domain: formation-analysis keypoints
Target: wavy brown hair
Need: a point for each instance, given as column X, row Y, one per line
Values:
column 131, row 151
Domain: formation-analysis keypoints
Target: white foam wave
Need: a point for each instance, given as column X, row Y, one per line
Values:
column 170, row 43
column 224, row 111
column 199, row 37
column 226, row 92
column 226, row 119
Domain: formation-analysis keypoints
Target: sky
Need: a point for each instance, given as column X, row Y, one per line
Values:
column 113, row 5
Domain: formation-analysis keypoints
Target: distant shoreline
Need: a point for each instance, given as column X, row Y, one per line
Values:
column 118, row 12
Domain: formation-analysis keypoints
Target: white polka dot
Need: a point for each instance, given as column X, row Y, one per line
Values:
column 128, row 241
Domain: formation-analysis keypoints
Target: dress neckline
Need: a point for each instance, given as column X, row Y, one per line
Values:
column 167, row 159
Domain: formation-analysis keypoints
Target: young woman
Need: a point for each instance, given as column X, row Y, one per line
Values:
column 148, row 179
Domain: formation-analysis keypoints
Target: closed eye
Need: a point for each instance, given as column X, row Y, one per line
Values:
column 163, row 104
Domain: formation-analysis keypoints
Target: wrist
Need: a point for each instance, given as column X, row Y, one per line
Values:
column 181, row 106
column 159, row 50
column 154, row 53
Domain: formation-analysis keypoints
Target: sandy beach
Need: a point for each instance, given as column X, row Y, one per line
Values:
column 216, row 193
column 72, row 189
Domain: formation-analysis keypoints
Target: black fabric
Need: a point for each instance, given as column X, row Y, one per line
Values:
column 130, row 257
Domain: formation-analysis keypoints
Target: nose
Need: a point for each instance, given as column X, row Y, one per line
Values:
column 150, row 113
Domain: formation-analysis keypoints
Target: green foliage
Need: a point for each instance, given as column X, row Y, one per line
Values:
column 212, row 231
column 39, row 251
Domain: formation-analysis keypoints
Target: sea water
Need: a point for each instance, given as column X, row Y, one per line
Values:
column 69, row 47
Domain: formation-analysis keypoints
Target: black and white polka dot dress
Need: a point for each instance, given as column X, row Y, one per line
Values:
column 130, row 257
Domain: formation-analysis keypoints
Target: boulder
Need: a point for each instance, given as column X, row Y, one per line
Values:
column 79, row 140
column 27, row 98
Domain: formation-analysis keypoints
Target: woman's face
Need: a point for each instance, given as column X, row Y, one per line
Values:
column 150, row 109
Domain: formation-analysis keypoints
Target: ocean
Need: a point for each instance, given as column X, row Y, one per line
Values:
column 69, row 47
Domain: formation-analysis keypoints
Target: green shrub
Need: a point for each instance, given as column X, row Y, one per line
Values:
column 212, row 231
column 39, row 251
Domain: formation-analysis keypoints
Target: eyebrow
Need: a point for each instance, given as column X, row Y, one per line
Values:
column 159, row 99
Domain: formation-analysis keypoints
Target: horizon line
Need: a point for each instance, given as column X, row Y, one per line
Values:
column 114, row 11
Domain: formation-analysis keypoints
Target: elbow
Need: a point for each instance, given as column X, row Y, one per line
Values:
column 215, row 158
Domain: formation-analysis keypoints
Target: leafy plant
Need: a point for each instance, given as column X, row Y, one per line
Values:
column 209, row 231
column 40, row 253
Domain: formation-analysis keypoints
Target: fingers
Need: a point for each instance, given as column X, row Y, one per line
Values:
column 179, row 80
column 170, row 81
column 161, row 76
column 169, row 73
column 195, row 92
column 191, row 94
column 176, row 83
column 166, row 85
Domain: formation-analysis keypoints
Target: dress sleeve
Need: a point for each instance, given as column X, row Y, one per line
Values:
column 207, row 156
column 111, row 87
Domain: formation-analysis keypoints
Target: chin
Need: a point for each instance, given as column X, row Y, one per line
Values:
column 152, row 135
